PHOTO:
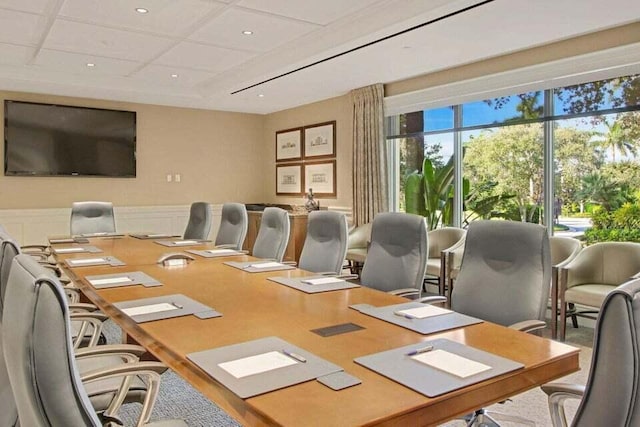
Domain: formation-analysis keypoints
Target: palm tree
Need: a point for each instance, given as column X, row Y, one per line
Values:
column 616, row 139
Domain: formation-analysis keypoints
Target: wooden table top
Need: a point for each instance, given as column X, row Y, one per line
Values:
column 254, row 307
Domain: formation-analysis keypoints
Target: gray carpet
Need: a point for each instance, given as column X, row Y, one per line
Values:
column 177, row 399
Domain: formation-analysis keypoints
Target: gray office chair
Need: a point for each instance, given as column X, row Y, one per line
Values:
column 504, row 278
column 440, row 240
column 325, row 245
column 42, row 367
column 92, row 217
column 397, row 256
column 199, row 224
column 233, row 226
column 84, row 322
column 8, row 409
column 273, row 235
column 610, row 396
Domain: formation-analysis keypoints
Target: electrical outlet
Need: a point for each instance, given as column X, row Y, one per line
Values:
column 178, row 177
column 169, row 177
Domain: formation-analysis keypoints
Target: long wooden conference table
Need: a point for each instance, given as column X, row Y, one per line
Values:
column 253, row 307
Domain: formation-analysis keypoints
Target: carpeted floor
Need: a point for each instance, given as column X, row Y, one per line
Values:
column 177, row 399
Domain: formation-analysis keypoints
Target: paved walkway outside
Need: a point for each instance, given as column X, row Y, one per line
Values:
column 576, row 226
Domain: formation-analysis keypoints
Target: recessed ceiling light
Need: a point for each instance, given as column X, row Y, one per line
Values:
column 247, row 32
column 90, row 64
column 261, row 95
column 142, row 10
column 175, row 76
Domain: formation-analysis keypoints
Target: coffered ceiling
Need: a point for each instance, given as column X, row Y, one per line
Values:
column 194, row 53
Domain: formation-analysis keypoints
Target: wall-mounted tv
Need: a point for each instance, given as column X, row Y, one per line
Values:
column 62, row 140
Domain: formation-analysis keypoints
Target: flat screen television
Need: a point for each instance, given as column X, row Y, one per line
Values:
column 61, row 140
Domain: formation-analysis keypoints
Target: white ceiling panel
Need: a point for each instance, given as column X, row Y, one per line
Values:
column 20, row 28
column 169, row 17
column 162, row 76
column 76, row 63
column 319, row 12
column 286, row 58
column 203, row 57
column 269, row 31
column 33, row 6
column 15, row 55
column 101, row 41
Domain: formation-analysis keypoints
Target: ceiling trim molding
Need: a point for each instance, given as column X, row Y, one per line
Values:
column 593, row 66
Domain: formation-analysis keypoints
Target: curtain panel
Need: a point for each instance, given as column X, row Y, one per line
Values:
column 370, row 194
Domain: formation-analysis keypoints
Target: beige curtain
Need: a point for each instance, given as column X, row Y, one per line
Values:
column 369, row 154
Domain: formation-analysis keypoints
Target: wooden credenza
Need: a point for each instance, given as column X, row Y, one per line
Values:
column 298, row 223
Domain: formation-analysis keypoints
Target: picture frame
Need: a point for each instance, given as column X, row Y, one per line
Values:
column 321, row 177
column 320, row 140
column 289, row 145
column 289, row 180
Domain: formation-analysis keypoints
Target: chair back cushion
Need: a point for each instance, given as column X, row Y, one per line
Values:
column 8, row 410
column 199, row 225
column 325, row 246
column 443, row 238
column 505, row 273
column 41, row 363
column 612, row 390
column 608, row 263
column 563, row 249
column 273, row 235
column 233, row 225
column 397, row 256
column 92, row 217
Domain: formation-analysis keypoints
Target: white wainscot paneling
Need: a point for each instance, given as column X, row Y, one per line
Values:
column 33, row 226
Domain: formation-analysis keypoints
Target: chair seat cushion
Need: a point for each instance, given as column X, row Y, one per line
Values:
column 357, row 254
column 433, row 267
column 591, row 295
column 101, row 392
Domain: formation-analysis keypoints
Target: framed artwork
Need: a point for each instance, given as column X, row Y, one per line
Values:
column 289, row 145
column 289, row 180
column 321, row 177
column 320, row 140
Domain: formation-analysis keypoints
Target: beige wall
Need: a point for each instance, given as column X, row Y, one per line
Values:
column 338, row 109
column 220, row 156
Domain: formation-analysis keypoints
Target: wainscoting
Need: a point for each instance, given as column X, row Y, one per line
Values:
column 33, row 226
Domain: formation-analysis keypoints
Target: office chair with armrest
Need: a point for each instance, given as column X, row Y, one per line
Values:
column 199, row 225
column 504, row 278
column 92, row 217
column 610, row 396
column 43, row 371
column 592, row 274
column 563, row 251
column 273, row 235
column 325, row 246
column 440, row 240
column 233, row 226
column 86, row 325
column 357, row 246
column 397, row 257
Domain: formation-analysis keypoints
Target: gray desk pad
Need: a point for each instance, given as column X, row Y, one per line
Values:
column 59, row 240
column 397, row 366
column 189, row 306
column 296, row 283
column 106, row 260
column 177, row 244
column 148, row 236
column 207, row 254
column 245, row 266
column 137, row 278
column 264, row 382
column 85, row 249
column 424, row 326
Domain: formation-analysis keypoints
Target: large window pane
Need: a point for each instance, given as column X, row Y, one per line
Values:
column 515, row 108
column 438, row 119
column 503, row 173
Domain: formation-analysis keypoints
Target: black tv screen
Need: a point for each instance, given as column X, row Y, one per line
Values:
column 61, row 140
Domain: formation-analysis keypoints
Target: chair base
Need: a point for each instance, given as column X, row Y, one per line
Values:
column 481, row 418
